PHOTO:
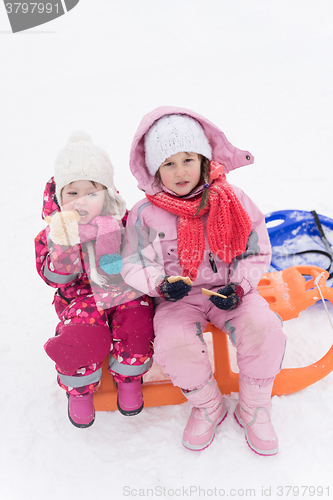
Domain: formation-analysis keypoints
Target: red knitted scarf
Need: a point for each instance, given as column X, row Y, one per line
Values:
column 228, row 224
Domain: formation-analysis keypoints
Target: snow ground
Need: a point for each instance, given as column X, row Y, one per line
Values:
column 260, row 70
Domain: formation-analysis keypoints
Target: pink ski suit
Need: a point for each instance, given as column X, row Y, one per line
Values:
column 115, row 320
column 151, row 253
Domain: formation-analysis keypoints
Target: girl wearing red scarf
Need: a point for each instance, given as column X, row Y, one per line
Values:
column 194, row 224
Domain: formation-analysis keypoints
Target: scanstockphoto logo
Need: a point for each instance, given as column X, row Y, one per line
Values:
column 26, row 15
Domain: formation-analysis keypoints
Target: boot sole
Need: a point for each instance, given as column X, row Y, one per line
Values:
column 129, row 413
column 80, row 426
column 263, row 453
column 194, row 447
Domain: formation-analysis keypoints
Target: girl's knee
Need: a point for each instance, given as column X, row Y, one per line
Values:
column 132, row 326
column 258, row 328
column 188, row 367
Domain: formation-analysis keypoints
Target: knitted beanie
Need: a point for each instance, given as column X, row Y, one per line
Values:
column 80, row 160
column 173, row 134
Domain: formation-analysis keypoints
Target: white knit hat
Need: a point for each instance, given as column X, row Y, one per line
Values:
column 173, row 134
column 80, row 160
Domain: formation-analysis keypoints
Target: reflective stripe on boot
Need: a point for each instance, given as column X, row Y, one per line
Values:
column 207, row 413
column 254, row 415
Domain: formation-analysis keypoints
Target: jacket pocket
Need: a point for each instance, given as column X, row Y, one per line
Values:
column 166, row 235
column 166, row 243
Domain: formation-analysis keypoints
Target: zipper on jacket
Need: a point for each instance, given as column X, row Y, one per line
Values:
column 212, row 262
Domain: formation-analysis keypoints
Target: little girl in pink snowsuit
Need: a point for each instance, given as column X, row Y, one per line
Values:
column 194, row 224
column 78, row 254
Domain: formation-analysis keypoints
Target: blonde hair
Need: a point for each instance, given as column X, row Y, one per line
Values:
column 113, row 206
column 108, row 205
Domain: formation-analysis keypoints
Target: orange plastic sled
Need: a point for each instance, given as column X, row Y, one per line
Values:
column 288, row 293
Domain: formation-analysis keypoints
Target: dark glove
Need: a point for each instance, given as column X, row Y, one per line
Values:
column 234, row 292
column 172, row 291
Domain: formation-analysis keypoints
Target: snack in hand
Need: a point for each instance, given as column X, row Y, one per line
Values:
column 186, row 279
column 205, row 291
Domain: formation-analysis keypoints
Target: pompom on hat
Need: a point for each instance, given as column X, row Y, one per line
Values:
column 80, row 160
column 173, row 134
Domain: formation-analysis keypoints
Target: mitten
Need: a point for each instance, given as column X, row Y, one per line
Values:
column 111, row 263
column 233, row 292
column 64, row 228
column 78, row 345
column 172, row 291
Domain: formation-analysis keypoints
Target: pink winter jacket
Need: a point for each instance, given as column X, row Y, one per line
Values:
column 151, row 232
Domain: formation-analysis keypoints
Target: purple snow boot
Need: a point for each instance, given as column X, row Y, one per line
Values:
column 130, row 399
column 81, row 411
column 253, row 413
column 207, row 413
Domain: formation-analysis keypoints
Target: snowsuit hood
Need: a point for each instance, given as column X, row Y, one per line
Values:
column 222, row 150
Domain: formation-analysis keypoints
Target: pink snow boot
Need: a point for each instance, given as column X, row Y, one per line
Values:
column 81, row 411
column 207, row 413
column 130, row 399
column 254, row 415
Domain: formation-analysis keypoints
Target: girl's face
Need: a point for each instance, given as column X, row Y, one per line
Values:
column 85, row 198
column 181, row 172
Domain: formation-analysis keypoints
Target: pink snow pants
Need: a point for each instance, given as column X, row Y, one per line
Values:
column 253, row 328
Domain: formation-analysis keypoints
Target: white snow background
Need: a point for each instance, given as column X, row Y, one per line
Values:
column 262, row 71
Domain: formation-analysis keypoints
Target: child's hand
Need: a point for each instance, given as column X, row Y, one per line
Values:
column 233, row 292
column 172, row 291
column 64, row 228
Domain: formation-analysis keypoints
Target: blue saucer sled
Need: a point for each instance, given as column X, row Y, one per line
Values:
column 300, row 238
